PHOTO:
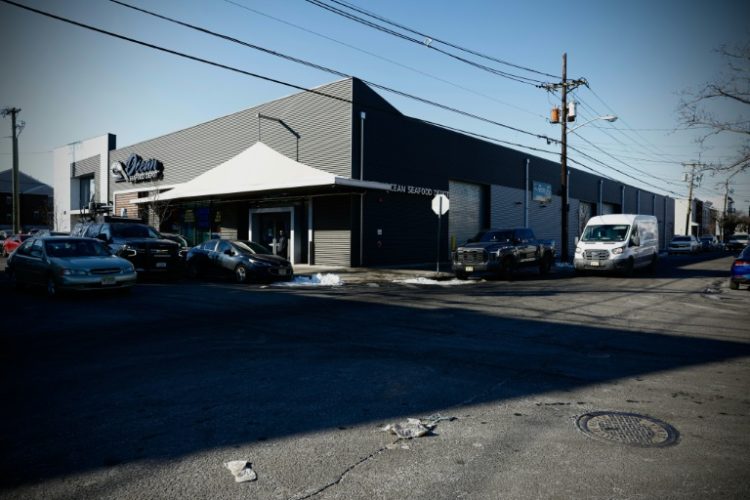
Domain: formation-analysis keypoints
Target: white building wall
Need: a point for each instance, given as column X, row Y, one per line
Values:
column 66, row 188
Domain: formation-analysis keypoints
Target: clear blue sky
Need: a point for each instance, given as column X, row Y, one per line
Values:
column 74, row 84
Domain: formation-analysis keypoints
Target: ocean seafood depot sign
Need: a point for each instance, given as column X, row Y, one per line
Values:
column 136, row 169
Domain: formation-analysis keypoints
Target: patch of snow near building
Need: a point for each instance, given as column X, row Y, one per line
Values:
column 314, row 280
column 428, row 281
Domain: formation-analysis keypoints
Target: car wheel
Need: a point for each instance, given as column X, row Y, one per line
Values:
column 240, row 274
column 629, row 268
column 192, row 270
column 545, row 265
column 506, row 272
column 461, row 275
column 734, row 285
column 14, row 280
column 652, row 265
column 52, row 290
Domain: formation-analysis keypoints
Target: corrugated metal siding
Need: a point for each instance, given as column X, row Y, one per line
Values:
column 506, row 206
column 544, row 220
column 323, row 123
column 87, row 166
column 465, row 214
column 332, row 234
column 608, row 208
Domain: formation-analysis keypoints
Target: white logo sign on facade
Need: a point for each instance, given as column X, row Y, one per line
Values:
column 136, row 169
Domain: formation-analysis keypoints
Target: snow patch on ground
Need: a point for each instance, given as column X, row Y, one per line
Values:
column 428, row 281
column 314, row 280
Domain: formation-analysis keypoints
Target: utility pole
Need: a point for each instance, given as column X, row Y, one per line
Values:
column 16, row 184
column 690, row 194
column 564, row 117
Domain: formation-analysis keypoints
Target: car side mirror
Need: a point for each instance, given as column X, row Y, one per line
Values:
column 228, row 252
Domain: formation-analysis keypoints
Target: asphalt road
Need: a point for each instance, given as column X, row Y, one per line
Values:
column 147, row 395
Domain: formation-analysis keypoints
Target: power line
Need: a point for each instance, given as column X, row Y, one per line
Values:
column 382, row 58
column 425, row 43
column 301, row 88
column 438, row 40
column 329, row 70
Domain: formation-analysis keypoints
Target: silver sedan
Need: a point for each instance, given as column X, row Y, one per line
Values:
column 58, row 264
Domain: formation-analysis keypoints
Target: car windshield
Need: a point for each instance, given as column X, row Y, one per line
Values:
column 250, row 247
column 606, row 232
column 493, row 237
column 133, row 231
column 75, row 248
column 739, row 237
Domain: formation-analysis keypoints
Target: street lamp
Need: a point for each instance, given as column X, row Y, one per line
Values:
column 608, row 118
column 564, row 175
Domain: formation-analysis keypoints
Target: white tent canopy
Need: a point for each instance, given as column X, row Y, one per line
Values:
column 258, row 168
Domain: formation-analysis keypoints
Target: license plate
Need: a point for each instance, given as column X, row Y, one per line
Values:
column 469, row 269
column 109, row 280
column 594, row 263
column 161, row 264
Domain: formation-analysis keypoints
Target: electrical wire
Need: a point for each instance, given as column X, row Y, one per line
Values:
column 295, row 86
column 330, row 70
column 428, row 44
column 438, row 40
column 386, row 59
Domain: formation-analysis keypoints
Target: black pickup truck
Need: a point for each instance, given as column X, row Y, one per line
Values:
column 501, row 251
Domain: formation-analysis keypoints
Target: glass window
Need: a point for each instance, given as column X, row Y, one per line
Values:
column 24, row 248
column 223, row 246
column 93, row 230
column 606, row 232
column 209, row 245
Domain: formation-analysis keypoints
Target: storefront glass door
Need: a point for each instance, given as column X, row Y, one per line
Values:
column 275, row 231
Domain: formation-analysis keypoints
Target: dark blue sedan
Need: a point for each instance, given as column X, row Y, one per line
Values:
column 241, row 260
column 740, row 273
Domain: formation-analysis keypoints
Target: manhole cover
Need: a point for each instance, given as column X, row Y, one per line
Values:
column 628, row 428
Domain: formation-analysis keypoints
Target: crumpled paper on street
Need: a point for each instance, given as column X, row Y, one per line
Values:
column 241, row 470
column 415, row 427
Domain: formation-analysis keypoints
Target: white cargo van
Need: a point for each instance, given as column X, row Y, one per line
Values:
column 618, row 242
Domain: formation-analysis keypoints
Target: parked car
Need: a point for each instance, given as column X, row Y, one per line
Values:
column 13, row 242
column 618, row 242
column 139, row 243
column 61, row 264
column 683, row 244
column 501, row 251
column 180, row 240
column 709, row 243
column 737, row 241
column 740, row 271
column 242, row 260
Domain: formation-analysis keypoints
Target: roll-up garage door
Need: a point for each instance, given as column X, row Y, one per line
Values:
column 332, row 232
column 465, row 217
column 608, row 208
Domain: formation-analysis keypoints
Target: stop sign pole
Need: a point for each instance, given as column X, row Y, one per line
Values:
column 440, row 205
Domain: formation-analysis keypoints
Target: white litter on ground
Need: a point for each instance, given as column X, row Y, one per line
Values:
column 428, row 281
column 314, row 280
column 241, row 470
column 416, row 427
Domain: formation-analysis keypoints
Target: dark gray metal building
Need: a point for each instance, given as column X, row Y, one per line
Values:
column 347, row 176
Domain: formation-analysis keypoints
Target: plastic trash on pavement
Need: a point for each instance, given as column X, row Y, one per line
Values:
column 241, row 470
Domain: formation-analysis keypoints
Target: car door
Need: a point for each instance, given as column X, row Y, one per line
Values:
column 526, row 245
column 21, row 262
column 224, row 260
column 37, row 266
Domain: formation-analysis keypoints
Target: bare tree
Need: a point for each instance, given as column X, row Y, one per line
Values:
column 723, row 106
column 157, row 211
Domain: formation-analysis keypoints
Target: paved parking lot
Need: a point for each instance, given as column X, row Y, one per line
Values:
column 147, row 395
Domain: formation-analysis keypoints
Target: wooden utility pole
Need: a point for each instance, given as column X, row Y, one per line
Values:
column 564, row 161
column 16, row 184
